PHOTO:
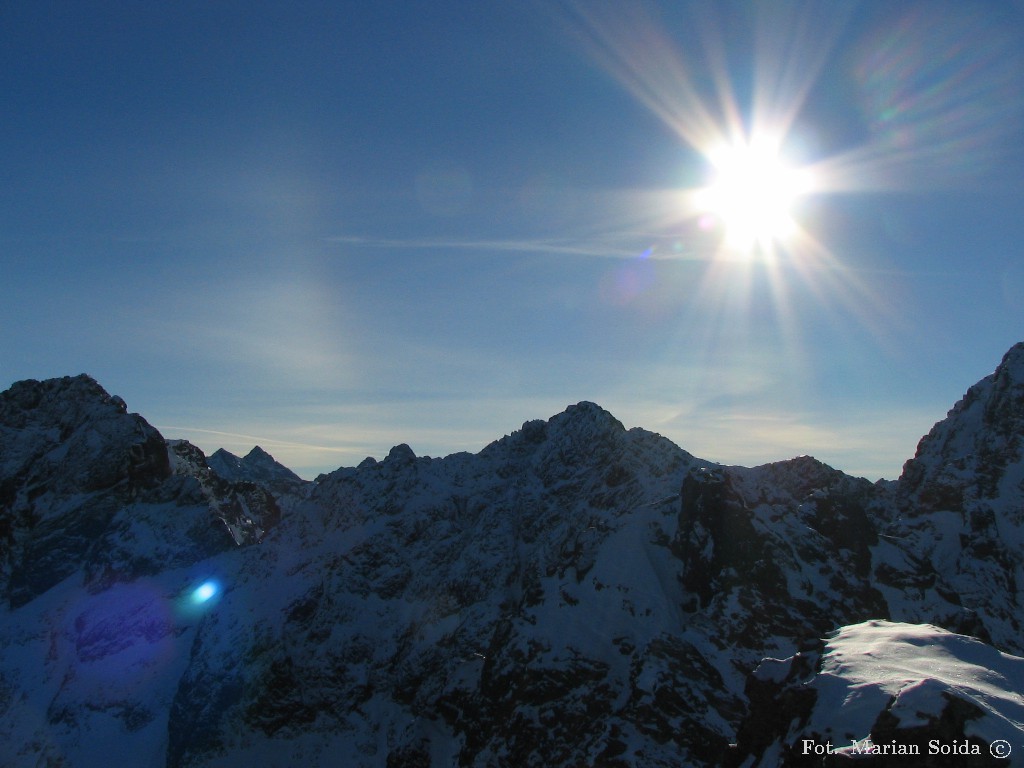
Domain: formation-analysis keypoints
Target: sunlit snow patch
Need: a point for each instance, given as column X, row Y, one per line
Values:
column 911, row 672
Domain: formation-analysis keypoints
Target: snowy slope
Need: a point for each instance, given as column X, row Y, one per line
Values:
column 961, row 500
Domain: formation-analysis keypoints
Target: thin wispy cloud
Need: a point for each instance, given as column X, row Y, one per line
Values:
column 619, row 247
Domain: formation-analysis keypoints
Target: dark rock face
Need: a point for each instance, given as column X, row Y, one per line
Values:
column 777, row 697
column 70, row 458
column 86, row 485
column 248, row 509
column 257, row 467
column 788, row 542
column 53, row 432
column 969, row 456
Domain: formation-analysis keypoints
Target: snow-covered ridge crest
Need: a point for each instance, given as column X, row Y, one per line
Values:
column 979, row 442
column 961, row 500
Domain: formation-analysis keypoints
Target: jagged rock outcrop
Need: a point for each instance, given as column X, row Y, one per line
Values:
column 85, row 485
column 777, row 552
column 975, row 454
column 248, row 509
column 956, row 554
column 71, row 457
column 260, row 468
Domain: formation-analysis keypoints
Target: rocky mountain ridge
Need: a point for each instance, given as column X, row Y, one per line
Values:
column 574, row 594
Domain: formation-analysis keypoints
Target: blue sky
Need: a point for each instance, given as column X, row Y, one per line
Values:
column 330, row 227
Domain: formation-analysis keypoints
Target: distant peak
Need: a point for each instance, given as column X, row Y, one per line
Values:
column 258, row 453
column 256, row 465
column 805, row 465
column 586, row 406
column 83, row 383
column 586, row 412
column 1012, row 365
column 261, row 462
column 69, row 394
column 979, row 437
column 400, row 454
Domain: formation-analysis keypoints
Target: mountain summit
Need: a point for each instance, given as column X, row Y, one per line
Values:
column 977, row 451
column 576, row 593
column 257, row 466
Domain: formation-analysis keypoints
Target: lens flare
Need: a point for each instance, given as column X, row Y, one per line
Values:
column 204, row 592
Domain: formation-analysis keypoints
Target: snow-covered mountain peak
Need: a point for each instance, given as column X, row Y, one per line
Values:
column 583, row 436
column 70, row 456
column 255, row 466
column 54, row 430
column 585, row 418
column 979, row 442
column 1013, row 362
column 800, row 476
column 66, row 394
column 400, row 454
column 69, row 395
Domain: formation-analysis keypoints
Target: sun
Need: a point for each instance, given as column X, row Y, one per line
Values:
column 751, row 194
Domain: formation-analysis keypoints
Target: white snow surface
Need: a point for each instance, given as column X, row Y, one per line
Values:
column 909, row 668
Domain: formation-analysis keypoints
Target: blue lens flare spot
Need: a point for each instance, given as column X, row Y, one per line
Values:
column 204, row 592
